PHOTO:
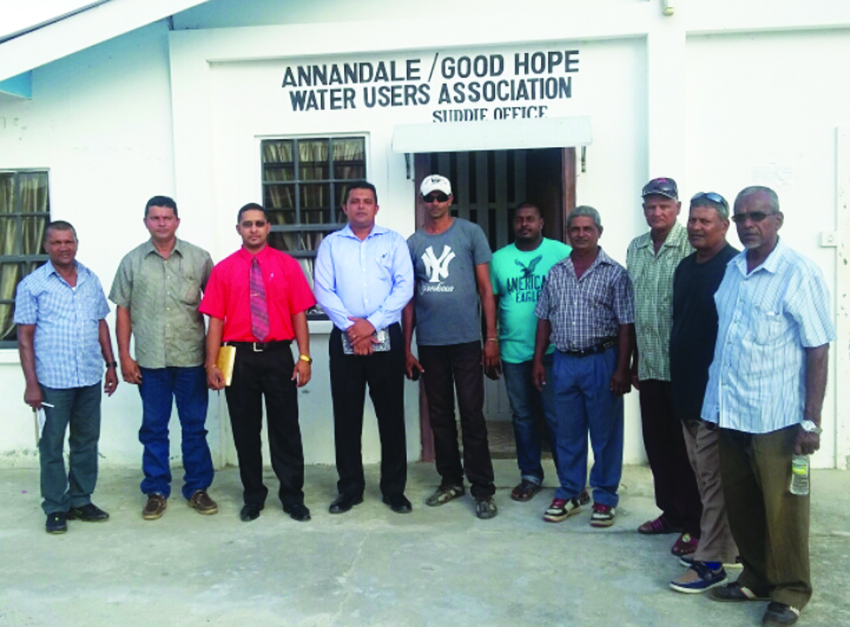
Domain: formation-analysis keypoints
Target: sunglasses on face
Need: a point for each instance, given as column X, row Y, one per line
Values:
column 755, row 216
column 247, row 224
column 435, row 198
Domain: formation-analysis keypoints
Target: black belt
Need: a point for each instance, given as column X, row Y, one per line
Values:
column 599, row 348
column 261, row 347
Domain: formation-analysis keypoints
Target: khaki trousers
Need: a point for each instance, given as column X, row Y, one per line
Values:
column 769, row 524
column 715, row 543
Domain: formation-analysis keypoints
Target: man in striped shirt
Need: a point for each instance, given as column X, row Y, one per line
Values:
column 765, row 392
column 652, row 259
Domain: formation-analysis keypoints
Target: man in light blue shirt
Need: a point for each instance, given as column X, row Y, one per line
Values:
column 63, row 340
column 765, row 392
column 363, row 280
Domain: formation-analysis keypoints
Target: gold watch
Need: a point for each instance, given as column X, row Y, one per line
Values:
column 306, row 358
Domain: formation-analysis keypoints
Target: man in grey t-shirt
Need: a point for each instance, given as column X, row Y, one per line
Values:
column 451, row 269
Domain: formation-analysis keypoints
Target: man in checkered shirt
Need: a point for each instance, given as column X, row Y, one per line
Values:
column 585, row 309
column 63, row 340
column 652, row 259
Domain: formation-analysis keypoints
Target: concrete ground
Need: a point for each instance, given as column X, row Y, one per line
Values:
column 436, row 566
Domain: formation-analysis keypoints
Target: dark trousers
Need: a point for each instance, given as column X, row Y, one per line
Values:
column 76, row 410
column 384, row 374
column 458, row 366
column 257, row 375
column 770, row 525
column 676, row 491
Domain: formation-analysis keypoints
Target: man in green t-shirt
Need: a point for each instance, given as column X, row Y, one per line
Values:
column 518, row 272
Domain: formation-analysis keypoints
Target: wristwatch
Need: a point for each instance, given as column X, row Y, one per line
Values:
column 809, row 426
column 306, row 358
column 111, row 364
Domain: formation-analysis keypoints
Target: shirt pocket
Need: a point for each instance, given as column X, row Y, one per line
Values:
column 190, row 293
column 768, row 326
column 382, row 269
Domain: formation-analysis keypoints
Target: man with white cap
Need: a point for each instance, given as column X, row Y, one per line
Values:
column 451, row 260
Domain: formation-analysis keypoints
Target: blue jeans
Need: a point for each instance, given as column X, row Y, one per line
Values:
column 585, row 403
column 159, row 389
column 79, row 408
column 527, row 404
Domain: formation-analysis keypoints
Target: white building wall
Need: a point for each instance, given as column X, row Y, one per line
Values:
column 710, row 96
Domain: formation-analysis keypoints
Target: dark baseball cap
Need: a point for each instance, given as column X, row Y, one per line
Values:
column 663, row 187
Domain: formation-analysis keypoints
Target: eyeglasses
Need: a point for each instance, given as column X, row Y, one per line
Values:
column 435, row 198
column 712, row 196
column 755, row 216
column 247, row 224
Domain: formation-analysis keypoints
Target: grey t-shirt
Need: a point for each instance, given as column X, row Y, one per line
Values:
column 447, row 307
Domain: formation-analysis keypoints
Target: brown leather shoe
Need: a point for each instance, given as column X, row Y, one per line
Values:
column 202, row 502
column 154, row 507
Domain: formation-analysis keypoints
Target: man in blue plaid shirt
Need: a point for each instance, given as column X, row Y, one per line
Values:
column 586, row 311
column 63, row 338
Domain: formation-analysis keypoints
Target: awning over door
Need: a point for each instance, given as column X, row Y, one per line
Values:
column 493, row 135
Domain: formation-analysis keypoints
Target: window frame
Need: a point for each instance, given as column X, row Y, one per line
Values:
column 19, row 216
column 298, row 228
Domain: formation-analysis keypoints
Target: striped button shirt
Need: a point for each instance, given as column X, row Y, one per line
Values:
column 757, row 381
column 67, row 322
column 651, row 274
column 584, row 311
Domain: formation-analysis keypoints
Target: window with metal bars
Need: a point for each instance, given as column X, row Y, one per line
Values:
column 24, row 214
column 304, row 184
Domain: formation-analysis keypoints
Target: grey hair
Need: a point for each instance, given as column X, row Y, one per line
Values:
column 745, row 193
column 721, row 208
column 585, row 211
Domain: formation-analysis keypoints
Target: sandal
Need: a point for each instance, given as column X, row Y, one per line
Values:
column 525, row 491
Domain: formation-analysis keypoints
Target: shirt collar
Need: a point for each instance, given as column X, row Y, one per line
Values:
column 150, row 248
column 261, row 256
column 377, row 229
column 674, row 237
column 51, row 269
column 771, row 264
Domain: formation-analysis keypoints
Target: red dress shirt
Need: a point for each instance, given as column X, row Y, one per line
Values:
column 227, row 294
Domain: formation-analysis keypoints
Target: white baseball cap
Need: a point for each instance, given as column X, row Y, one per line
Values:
column 436, row 183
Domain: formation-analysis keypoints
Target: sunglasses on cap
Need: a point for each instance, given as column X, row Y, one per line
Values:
column 755, row 216
column 440, row 197
column 664, row 187
column 713, row 197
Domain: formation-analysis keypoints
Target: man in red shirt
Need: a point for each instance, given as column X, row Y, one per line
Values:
column 257, row 299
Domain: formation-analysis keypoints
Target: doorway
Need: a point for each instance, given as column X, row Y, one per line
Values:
column 488, row 186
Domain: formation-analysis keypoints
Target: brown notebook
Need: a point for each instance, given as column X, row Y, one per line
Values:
column 226, row 358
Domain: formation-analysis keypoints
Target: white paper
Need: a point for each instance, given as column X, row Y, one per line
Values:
column 41, row 418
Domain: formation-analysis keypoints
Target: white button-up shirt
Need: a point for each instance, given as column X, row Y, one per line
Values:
column 757, row 381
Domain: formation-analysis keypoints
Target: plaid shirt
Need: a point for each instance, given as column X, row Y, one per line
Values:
column 67, row 325
column 585, row 311
column 652, row 281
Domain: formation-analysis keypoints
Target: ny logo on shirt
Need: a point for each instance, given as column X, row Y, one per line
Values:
column 437, row 267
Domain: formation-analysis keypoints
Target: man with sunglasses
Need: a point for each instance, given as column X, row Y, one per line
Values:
column 257, row 299
column 765, row 393
column 451, row 259
column 364, row 279
column 691, row 350
column 651, row 260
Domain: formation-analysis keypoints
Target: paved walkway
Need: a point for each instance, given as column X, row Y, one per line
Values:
column 371, row 567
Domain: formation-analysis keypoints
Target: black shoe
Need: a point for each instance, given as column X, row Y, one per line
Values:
column 398, row 503
column 779, row 614
column 250, row 512
column 344, row 502
column 87, row 513
column 56, row 523
column 297, row 511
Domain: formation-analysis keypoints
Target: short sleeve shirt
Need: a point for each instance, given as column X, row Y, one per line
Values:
column 227, row 296
column 447, row 305
column 67, row 325
column 651, row 274
column 162, row 296
column 584, row 311
column 518, row 277
column 766, row 320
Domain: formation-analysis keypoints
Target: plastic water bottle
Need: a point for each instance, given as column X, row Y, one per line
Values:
column 800, row 475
